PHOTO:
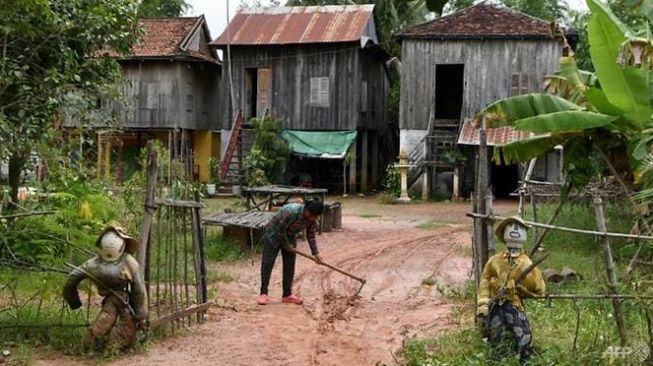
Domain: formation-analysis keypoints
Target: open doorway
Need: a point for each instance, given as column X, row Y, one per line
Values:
column 449, row 84
column 257, row 94
column 504, row 179
column 251, row 81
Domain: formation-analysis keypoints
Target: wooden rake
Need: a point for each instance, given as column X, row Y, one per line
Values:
column 341, row 271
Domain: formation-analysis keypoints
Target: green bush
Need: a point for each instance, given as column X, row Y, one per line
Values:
column 82, row 208
column 267, row 159
column 392, row 180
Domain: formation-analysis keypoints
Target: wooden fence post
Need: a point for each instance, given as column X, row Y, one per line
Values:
column 148, row 212
column 481, row 237
column 610, row 270
column 198, row 243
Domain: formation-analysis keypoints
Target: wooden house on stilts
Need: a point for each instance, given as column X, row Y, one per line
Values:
column 453, row 67
column 320, row 70
column 171, row 93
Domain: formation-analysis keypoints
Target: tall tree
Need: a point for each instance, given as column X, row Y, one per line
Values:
column 162, row 8
column 51, row 49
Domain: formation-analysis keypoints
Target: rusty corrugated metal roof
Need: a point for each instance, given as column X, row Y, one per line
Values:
column 470, row 135
column 300, row 24
column 483, row 20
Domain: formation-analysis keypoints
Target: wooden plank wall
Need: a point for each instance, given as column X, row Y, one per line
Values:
column 488, row 68
column 293, row 66
column 165, row 94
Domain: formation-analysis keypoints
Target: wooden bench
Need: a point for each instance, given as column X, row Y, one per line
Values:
column 245, row 228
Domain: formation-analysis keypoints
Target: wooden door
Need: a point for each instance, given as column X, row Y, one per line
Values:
column 264, row 91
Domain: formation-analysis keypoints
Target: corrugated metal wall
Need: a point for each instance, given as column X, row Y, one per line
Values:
column 489, row 65
column 293, row 66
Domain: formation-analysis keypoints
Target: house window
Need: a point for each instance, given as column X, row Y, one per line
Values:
column 320, row 92
column 519, row 84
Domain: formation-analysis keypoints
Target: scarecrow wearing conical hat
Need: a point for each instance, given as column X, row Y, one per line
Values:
column 500, row 306
column 117, row 276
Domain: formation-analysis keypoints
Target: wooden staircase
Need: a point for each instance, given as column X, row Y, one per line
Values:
column 441, row 136
column 232, row 167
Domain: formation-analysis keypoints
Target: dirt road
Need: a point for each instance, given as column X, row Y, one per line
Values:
column 396, row 252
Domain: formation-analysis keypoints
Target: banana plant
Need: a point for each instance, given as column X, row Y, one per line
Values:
column 615, row 102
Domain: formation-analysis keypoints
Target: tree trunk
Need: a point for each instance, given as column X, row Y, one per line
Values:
column 16, row 164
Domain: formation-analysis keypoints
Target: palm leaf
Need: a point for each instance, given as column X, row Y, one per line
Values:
column 625, row 87
column 565, row 121
column 506, row 111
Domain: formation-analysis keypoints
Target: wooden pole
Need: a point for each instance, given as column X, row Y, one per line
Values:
column 550, row 221
column 626, row 190
column 522, row 188
column 198, row 243
column 567, row 229
column 610, row 270
column 148, row 212
column 481, row 194
column 534, row 215
column 491, row 243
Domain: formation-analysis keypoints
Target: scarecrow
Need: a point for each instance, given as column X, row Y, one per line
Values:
column 507, row 277
column 117, row 276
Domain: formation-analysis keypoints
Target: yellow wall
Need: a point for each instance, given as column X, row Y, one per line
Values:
column 207, row 144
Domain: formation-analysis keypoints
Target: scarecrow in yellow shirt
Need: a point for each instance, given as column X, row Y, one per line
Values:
column 500, row 307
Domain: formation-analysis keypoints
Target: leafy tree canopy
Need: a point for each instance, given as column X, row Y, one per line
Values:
column 51, row 49
column 162, row 8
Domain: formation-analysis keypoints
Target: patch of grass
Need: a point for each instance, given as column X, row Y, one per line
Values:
column 219, row 276
column 553, row 323
column 430, row 225
column 368, row 215
column 386, row 198
column 217, row 248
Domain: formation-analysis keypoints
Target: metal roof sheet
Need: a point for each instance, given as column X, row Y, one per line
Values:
column 470, row 135
column 299, row 24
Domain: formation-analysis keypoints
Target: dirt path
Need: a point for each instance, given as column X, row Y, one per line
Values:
column 393, row 255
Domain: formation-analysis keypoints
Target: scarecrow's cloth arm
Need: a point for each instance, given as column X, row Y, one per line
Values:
column 70, row 293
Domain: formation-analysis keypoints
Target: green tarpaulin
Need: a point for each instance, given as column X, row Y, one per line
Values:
column 319, row 144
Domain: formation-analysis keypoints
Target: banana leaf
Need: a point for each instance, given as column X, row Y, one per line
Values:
column 597, row 98
column 569, row 70
column 505, row 112
column 524, row 150
column 625, row 87
column 565, row 121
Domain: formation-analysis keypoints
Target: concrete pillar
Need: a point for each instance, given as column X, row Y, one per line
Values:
column 375, row 160
column 352, row 167
column 403, row 170
column 364, row 161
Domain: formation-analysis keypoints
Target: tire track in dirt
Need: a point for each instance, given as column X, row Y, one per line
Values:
column 339, row 308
